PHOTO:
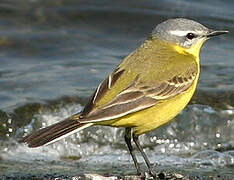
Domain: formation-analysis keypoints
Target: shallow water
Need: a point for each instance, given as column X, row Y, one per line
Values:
column 53, row 49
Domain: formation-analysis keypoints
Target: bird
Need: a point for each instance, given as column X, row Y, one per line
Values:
column 146, row 90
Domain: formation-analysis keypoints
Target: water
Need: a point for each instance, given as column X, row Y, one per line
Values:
column 53, row 55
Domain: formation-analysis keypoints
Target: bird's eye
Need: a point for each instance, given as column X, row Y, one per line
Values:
column 190, row 36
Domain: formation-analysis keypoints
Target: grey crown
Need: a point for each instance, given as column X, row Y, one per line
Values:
column 164, row 31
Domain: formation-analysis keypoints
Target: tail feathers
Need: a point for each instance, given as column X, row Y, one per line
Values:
column 54, row 132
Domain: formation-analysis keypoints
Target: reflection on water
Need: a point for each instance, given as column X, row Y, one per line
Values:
column 65, row 48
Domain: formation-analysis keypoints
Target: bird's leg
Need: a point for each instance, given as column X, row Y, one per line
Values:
column 128, row 137
column 136, row 140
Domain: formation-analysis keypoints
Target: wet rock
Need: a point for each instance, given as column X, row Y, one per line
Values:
column 24, row 114
column 3, row 125
column 99, row 177
column 160, row 176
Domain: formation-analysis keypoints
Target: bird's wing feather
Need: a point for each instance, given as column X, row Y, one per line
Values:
column 135, row 97
column 102, row 90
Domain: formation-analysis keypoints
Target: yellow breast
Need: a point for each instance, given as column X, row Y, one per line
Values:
column 164, row 111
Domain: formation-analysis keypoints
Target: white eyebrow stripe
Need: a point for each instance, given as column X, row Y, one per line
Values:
column 184, row 33
column 180, row 33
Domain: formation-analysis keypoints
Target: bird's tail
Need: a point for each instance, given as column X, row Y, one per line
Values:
column 55, row 132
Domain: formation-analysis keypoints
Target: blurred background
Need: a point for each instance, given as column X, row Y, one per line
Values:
column 54, row 53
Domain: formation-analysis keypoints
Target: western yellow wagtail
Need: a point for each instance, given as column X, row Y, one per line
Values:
column 146, row 90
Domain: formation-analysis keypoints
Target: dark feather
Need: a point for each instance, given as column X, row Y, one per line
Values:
column 101, row 91
column 50, row 133
column 118, row 110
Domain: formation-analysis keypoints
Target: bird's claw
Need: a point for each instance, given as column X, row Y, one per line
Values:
column 147, row 175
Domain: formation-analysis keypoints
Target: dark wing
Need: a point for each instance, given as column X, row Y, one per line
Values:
column 137, row 96
column 101, row 90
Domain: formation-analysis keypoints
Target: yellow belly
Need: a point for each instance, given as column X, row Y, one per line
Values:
column 151, row 118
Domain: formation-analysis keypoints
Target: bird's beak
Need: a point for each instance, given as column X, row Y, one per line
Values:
column 212, row 33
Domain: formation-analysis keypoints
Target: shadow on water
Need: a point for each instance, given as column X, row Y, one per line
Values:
column 54, row 53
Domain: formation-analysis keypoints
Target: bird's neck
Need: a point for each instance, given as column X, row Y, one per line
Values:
column 166, row 49
column 193, row 51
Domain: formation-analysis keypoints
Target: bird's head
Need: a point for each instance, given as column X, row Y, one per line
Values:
column 187, row 35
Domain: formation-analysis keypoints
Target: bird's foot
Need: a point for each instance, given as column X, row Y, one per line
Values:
column 141, row 175
column 161, row 175
column 152, row 175
column 147, row 175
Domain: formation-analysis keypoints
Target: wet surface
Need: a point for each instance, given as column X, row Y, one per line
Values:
column 53, row 55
